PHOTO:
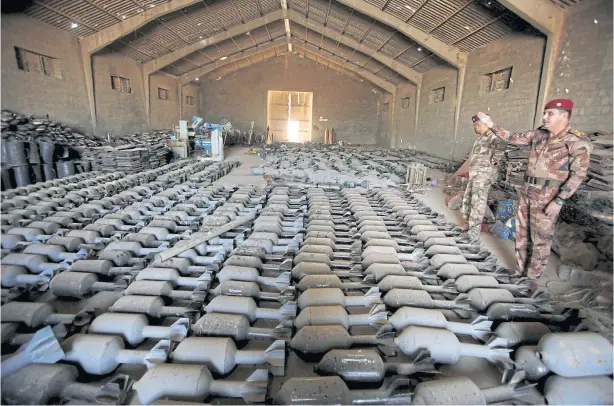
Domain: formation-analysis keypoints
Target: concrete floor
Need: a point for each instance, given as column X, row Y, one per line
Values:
column 433, row 197
column 242, row 175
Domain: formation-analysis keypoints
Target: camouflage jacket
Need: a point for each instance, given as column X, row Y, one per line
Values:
column 564, row 157
column 485, row 155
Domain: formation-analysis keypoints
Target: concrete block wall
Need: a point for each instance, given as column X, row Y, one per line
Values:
column 164, row 113
column 512, row 108
column 188, row 111
column 64, row 99
column 118, row 112
column 584, row 65
column 384, row 134
column 241, row 97
column 435, row 130
column 404, row 118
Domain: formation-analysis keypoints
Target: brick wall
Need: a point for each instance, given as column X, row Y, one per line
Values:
column 164, row 113
column 513, row 108
column 241, row 97
column 435, row 129
column 404, row 118
column 584, row 65
column 118, row 112
column 188, row 111
column 64, row 98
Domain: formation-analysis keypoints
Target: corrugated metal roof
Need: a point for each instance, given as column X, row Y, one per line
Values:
column 466, row 24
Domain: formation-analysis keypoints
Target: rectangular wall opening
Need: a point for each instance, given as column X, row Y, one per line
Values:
column 289, row 115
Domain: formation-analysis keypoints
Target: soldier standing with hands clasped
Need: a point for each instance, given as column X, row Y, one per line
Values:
column 558, row 163
column 483, row 160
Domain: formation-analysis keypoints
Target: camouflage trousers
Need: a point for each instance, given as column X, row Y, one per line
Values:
column 534, row 230
column 474, row 204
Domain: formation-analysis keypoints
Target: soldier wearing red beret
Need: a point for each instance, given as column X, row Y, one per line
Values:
column 558, row 163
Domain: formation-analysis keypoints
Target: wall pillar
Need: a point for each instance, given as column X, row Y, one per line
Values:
column 418, row 92
column 147, row 96
column 393, row 128
column 551, row 52
column 460, row 87
column 86, row 58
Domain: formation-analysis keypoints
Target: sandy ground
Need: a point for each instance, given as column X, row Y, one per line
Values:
column 434, row 198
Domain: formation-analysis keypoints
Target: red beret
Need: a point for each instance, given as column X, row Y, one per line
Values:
column 560, row 104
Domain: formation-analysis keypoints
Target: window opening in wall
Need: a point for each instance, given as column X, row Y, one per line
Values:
column 437, row 95
column 162, row 94
column 386, row 107
column 189, row 100
column 497, row 81
column 29, row 61
column 405, row 102
column 121, row 84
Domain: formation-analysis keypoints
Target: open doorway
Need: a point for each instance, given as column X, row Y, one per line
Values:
column 289, row 115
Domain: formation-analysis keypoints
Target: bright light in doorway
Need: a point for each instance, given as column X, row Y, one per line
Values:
column 74, row 25
column 293, row 131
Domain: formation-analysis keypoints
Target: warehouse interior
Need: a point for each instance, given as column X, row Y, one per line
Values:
column 273, row 202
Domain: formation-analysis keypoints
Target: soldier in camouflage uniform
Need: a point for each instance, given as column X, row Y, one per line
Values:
column 558, row 163
column 484, row 160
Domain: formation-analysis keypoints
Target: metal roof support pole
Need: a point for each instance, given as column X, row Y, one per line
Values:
column 549, row 19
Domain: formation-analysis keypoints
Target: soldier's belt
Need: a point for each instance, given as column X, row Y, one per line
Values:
column 542, row 182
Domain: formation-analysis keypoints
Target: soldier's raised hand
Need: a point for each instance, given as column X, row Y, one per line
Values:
column 485, row 118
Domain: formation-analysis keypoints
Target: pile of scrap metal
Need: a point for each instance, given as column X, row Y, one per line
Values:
column 130, row 153
column 243, row 138
column 37, row 149
column 23, row 127
column 346, row 165
column 601, row 170
column 512, row 168
column 163, row 288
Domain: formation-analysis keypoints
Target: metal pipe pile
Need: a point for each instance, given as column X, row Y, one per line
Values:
column 164, row 288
